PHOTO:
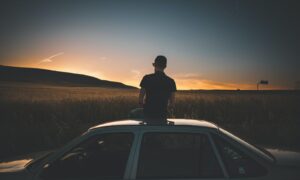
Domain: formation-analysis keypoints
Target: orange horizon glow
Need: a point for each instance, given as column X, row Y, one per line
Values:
column 211, row 85
column 182, row 83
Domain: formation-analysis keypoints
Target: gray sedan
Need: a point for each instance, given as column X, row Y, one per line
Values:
column 178, row 149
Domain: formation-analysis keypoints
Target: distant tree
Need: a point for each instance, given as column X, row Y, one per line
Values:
column 266, row 82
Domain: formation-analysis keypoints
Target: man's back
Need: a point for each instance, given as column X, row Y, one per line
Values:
column 158, row 88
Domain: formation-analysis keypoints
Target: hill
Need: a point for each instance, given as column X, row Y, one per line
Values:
column 56, row 78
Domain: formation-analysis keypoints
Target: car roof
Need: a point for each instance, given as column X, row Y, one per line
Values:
column 171, row 122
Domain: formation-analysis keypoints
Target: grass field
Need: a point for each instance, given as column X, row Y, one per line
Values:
column 34, row 118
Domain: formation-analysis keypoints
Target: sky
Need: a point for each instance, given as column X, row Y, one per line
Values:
column 213, row 44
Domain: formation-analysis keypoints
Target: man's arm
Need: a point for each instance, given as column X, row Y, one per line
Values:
column 142, row 96
column 172, row 100
column 172, row 96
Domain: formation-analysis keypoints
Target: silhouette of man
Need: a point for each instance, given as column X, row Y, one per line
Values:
column 157, row 92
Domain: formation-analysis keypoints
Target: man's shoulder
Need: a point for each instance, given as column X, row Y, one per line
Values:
column 169, row 78
column 154, row 76
column 149, row 75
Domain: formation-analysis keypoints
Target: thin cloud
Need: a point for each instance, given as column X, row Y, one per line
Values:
column 136, row 73
column 103, row 58
column 210, row 85
column 197, row 81
column 49, row 59
column 188, row 76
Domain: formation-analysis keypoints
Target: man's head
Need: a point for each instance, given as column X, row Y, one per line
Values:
column 160, row 62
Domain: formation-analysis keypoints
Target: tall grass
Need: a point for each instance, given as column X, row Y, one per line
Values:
column 34, row 118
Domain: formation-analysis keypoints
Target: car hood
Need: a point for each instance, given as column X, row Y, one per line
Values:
column 285, row 157
column 13, row 166
column 19, row 163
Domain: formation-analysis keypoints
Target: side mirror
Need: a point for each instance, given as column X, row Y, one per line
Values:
column 46, row 171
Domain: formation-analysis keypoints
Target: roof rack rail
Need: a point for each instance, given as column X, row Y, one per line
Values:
column 147, row 122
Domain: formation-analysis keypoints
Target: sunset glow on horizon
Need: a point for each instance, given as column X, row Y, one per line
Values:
column 209, row 45
column 184, row 82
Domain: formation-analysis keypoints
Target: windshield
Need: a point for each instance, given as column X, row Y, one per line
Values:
column 42, row 156
column 261, row 152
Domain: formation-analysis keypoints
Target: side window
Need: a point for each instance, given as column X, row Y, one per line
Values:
column 177, row 155
column 102, row 156
column 237, row 163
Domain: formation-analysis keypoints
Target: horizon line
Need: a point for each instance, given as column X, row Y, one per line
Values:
column 179, row 89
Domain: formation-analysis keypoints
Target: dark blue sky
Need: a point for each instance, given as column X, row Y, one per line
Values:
column 209, row 44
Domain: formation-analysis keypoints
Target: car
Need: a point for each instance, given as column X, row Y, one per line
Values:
column 176, row 149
